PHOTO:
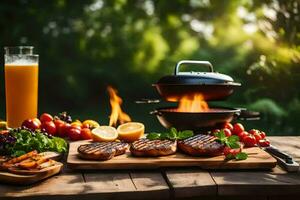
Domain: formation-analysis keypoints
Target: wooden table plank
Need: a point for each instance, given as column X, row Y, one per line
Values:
column 187, row 183
column 290, row 145
column 126, row 185
column 150, row 185
column 60, row 185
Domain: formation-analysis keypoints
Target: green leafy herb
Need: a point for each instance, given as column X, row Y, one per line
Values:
column 241, row 156
column 232, row 142
column 173, row 134
column 26, row 141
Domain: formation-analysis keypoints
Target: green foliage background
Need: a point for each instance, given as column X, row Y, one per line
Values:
column 85, row 45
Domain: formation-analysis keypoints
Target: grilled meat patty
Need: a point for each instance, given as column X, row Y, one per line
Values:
column 153, row 148
column 201, row 145
column 102, row 150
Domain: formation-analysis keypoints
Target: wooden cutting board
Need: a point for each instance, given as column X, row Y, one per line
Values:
column 258, row 159
column 17, row 179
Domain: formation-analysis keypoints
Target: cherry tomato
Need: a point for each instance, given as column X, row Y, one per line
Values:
column 242, row 135
column 262, row 135
column 63, row 131
column 76, row 126
column 257, row 136
column 60, row 124
column 229, row 152
column 249, row 141
column 228, row 125
column 74, row 134
column 49, row 127
column 31, row 124
column 227, row 132
column 45, row 117
column 264, row 143
column 86, row 134
column 253, row 131
column 237, row 128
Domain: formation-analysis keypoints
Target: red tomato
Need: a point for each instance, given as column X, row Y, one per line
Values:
column 60, row 125
column 4, row 132
column 249, row 141
column 31, row 124
column 262, row 135
column 49, row 127
column 228, row 152
column 264, row 143
column 237, row 128
column 74, row 134
column 86, row 134
column 228, row 125
column 242, row 135
column 227, row 132
column 63, row 131
column 257, row 136
column 253, row 131
column 45, row 117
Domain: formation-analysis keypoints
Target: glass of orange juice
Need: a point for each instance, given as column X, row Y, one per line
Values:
column 21, row 84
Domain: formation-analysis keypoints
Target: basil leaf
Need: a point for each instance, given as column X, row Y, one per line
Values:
column 173, row 131
column 229, row 156
column 233, row 138
column 221, row 136
column 233, row 145
column 185, row 134
column 241, row 156
column 172, row 135
column 153, row 136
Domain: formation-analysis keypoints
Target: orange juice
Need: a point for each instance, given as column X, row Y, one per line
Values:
column 21, row 85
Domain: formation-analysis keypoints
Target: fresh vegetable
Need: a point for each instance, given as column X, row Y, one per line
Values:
column 233, row 147
column 229, row 126
column 86, row 134
column 237, row 128
column 173, row 134
column 65, row 117
column 264, row 143
column 249, row 141
column 49, row 127
column 20, row 141
column 227, row 132
column 31, row 124
column 45, row 117
column 74, row 133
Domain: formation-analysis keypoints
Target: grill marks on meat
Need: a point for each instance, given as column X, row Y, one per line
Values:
column 102, row 150
column 153, row 148
column 201, row 145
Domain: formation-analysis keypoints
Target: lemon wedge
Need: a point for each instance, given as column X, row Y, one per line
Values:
column 131, row 131
column 104, row 134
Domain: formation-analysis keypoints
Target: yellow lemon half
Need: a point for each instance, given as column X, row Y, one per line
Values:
column 104, row 134
column 131, row 131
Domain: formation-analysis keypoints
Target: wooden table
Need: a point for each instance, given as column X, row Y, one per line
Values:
column 168, row 183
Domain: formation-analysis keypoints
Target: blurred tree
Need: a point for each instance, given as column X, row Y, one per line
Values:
column 86, row 45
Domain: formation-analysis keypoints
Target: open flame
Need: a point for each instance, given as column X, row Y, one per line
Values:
column 194, row 103
column 117, row 115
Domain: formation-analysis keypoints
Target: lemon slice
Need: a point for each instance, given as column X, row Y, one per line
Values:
column 131, row 131
column 104, row 134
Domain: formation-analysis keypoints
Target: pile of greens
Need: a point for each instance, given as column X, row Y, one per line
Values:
column 173, row 134
column 24, row 141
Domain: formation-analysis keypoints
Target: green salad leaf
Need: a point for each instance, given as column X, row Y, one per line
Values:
column 26, row 141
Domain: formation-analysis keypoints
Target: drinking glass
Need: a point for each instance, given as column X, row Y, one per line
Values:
column 21, row 84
